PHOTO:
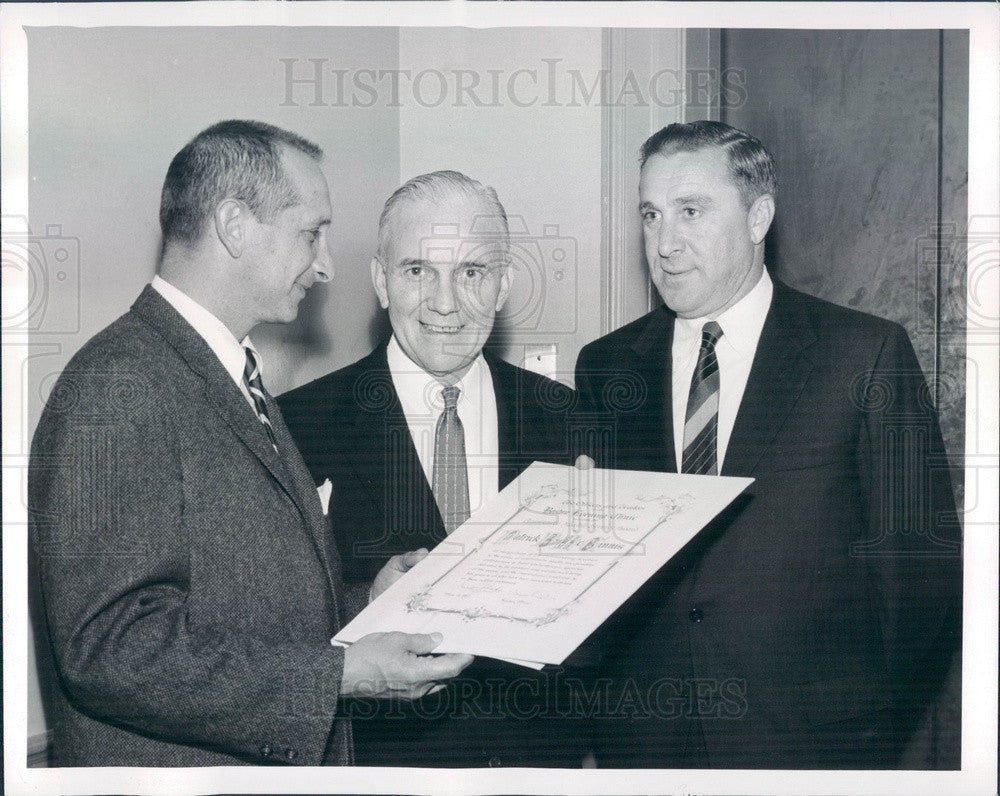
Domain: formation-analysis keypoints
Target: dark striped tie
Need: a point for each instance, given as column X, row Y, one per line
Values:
column 450, row 480
column 701, row 422
column 251, row 378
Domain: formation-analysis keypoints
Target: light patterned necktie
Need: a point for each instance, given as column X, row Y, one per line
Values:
column 251, row 378
column 701, row 421
column 450, row 481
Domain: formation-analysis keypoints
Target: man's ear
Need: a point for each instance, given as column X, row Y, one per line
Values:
column 230, row 225
column 759, row 217
column 505, row 283
column 378, row 280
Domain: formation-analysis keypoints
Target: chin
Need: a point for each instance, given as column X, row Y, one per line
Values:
column 442, row 369
column 285, row 316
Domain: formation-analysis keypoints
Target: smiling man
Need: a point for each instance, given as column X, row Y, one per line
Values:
column 417, row 435
column 189, row 585
column 812, row 623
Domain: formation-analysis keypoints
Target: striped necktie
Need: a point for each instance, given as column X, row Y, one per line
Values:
column 701, row 421
column 251, row 378
column 450, row 479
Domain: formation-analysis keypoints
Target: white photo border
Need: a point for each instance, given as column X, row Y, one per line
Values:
column 979, row 693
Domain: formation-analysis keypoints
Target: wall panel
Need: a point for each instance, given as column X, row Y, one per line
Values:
column 868, row 130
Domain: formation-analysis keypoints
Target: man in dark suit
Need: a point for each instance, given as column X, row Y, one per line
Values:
column 811, row 624
column 379, row 431
column 189, row 586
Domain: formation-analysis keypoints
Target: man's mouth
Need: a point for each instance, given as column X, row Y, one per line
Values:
column 436, row 328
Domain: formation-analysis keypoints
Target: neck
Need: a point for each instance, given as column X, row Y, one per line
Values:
column 197, row 274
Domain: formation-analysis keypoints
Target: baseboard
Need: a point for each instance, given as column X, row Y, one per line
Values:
column 38, row 749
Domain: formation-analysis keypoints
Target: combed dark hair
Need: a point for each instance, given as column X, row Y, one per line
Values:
column 230, row 160
column 437, row 187
column 750, row 164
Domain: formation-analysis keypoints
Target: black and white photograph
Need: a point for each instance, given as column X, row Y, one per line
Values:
column 500, row 397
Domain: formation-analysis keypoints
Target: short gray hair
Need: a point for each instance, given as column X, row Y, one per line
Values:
column 229, row 160
column 438, row 187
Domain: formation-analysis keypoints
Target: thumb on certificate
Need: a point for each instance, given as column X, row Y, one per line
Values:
column 413, row 558
column 422, row 643
column 584, row 462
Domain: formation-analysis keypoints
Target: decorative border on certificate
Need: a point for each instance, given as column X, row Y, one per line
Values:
column 577, row 551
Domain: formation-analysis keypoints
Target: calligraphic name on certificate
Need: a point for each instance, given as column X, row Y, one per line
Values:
column 536, row 570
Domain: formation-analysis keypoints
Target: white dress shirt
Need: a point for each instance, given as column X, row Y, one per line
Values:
column 420, row 396
column 222, row 342
column 741, row 327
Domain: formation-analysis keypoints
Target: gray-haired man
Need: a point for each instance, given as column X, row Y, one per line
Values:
column 418, row 434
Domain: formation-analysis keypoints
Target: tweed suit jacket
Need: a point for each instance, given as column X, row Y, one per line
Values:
column 351, row 429
column 812, row 623
column 189, row 585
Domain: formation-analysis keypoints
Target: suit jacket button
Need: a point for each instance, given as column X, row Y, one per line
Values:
column 266, row 751
column 494, row 762
column 696, row 615
column 291, row 754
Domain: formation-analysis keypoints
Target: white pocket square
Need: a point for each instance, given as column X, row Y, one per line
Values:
column 325, row 490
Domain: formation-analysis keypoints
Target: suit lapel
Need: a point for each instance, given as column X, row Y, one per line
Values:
column 507, row 388
column 382, row 454
column 778, row 374
column 653, row 366
column 308, row 497
column 222, row 394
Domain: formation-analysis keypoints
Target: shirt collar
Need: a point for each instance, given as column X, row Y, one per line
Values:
column 741, row 324
column 420, row 393
column 213, row 331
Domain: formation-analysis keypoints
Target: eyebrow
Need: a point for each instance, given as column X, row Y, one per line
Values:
column 696, row 199
column 409, row 262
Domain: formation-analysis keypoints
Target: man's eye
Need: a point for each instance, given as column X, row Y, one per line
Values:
column 691, row 212
column 472, row 274
column 649, row 216
column 414, row 271
column 312, row 234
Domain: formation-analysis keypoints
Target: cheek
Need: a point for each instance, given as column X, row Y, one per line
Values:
column 649, row 239
column 404, row 299
column 481, row 303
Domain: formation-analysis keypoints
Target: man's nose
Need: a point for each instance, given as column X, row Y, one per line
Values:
column 323, row 263
column 667, row 241
column 442, row 297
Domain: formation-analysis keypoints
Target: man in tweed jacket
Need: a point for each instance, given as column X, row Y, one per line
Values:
column 189, row 584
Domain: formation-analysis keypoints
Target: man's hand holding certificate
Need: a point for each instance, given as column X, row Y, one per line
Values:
column 539, row 568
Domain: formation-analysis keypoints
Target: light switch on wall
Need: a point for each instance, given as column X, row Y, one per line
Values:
column 540, row 359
